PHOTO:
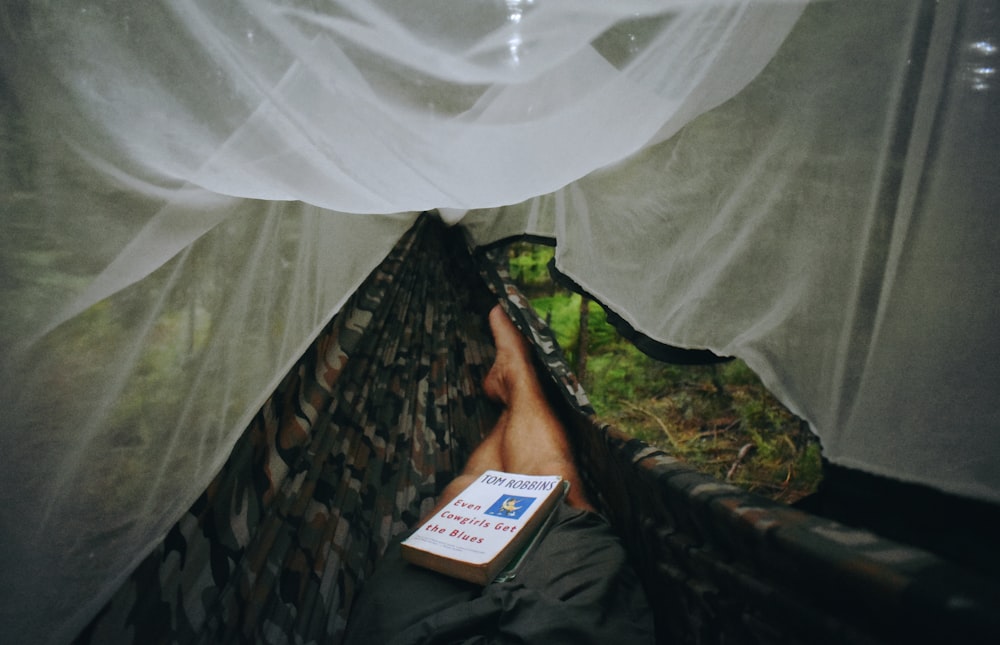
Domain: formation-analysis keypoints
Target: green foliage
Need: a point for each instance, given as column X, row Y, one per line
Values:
column 562, row 312
column 737, row 373
column 719, row 418
column 810, row 463
column 528, row 264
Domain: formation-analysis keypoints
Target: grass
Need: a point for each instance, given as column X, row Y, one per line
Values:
column 718, row 418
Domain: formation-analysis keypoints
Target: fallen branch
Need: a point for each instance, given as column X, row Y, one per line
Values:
column 740, row 456
column 714, row 432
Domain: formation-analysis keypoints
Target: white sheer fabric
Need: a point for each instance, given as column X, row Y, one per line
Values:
column 178, row 183
column 834, row 226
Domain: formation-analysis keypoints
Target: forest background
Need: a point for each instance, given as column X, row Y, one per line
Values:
column 718, row 418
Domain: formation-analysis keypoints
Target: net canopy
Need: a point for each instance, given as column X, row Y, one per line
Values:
column 191, row 191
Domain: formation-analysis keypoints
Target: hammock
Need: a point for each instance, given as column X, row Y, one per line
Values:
column 365, row 431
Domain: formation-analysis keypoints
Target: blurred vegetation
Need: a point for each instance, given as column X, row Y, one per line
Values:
column 718, row 418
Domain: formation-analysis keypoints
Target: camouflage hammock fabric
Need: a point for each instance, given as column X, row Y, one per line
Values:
column 358, row 439
column 365, row 431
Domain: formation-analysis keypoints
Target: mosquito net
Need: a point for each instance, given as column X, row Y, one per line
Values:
column 192, row 190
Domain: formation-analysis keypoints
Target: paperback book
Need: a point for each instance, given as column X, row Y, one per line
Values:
column 488, row 527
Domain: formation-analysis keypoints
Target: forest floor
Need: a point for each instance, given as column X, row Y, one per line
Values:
column 718, row 418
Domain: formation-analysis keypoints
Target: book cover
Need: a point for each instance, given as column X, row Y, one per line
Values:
column 477, row 534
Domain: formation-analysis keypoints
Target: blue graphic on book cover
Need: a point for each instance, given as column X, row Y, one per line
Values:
column 510, row 506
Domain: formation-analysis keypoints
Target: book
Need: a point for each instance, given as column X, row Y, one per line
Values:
column 482, row 533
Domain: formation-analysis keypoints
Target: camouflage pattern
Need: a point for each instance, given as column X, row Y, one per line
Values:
column 356, row 442
column 549, row 356
column 721, row 565
column 364, row 432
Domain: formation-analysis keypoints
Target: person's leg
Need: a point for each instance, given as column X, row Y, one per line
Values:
column 534, row 441
column 528, row 438
column 577, row 585
column 486, row 456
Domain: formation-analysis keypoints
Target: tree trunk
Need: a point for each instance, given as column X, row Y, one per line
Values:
column 583, row 339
